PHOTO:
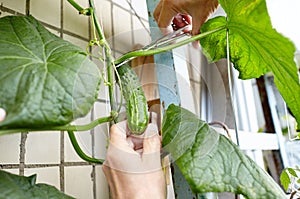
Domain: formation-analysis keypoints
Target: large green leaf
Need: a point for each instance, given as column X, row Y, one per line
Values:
column 20, row 187
column 255, row 47
column 210, row 162
column 45, row 81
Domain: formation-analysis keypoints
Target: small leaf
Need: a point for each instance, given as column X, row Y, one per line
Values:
column 255, row 47
column 210, row 162
column 292, row 172
column 285, row 179
column 45, row 81
column 13, row 186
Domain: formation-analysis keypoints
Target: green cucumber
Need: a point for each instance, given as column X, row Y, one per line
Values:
column 136, row 103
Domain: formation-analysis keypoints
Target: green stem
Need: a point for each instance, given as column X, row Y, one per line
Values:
column 80, row 9
column 165, row 48
column 107, row 54
column 96, row 22
column 86, row 127
column 110, row 72
column 79, row 151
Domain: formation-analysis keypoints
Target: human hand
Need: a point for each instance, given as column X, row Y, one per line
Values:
column 182, row 12
column 133, row 165
column 2, row 114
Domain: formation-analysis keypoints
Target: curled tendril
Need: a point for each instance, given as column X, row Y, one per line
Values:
column 224, row 126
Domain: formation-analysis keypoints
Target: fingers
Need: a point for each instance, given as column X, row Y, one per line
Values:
column 121, row 137
column 118, row 131
column 157, row 11
column 118, row 137
column 153, row 118
column 132, row 153
column 163, row 15
column 151, row 143
column 138, row 140
column 196, row 24
column 151, row 149
column 207, row 8
column 2, row 114
column 182, row 11
column 195, row 31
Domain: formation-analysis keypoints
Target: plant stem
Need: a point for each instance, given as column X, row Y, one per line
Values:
column 110, row 72
column 75, row 5
column 109, row 61
column 96, row 22
column 80, row 9
column 165, row 48
column 79, row 151
column 86, row 127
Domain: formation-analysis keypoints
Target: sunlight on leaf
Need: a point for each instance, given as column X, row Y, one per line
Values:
column 255, row 47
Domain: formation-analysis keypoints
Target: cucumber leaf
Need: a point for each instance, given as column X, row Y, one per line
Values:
column 210, row 162
column 18, row 187
column 285, row 179
column 255, row 47
column 45, row 81
column 292, row 172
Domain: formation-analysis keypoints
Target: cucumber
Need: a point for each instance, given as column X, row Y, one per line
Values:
column 136, row 103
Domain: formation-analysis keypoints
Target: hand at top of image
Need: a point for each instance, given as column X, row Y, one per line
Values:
column 179, row 13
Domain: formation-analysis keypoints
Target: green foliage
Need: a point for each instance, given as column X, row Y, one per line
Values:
column 292, row 172
column 45, row 81
column 285, row 179
column 255, row 47
column 19, row 187
column 288, row 176
column 210, row 162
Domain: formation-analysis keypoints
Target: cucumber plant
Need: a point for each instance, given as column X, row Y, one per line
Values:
column 47, row 82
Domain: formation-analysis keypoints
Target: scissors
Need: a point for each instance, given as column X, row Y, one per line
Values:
column 164, row 40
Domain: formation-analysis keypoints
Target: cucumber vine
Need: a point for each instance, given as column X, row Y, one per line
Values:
column 110, row 63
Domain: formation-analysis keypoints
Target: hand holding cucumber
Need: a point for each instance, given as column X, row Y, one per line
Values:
column 133, row 164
